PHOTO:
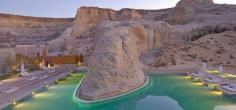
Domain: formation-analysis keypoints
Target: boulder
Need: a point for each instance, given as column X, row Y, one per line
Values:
column 114, row 67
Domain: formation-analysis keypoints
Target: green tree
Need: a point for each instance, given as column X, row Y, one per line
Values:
column 3, row 69
column 11, row 64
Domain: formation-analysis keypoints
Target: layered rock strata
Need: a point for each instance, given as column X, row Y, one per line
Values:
column 23, row 29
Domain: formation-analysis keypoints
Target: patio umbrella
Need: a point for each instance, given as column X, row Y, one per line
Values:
column 22, row 72
column 220, row 70
column 204, row 66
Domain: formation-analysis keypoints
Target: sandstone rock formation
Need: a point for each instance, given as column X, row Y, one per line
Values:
column 186, row 10
column 184, row 3
column 87, row 17
column 114, row 65
column 91, row 16
column 19, row 29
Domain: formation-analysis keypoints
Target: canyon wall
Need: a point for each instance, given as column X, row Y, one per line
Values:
column 22, row 29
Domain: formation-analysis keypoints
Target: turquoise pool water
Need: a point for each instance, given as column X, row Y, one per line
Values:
column 163, row 93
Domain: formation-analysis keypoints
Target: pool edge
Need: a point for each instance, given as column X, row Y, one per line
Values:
column 79, row 100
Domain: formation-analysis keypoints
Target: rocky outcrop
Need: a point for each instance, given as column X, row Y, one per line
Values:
column 197, row 33
column 23, row 29
column 91, row 16
column 27, row 21
column 114, row 67
column 88, row 17
column 151, row 35
column 185, row 10
column 184, row 3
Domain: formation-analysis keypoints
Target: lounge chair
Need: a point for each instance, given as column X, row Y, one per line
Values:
column 31, row 78
column 51, row 71
column 10, row 90
column 44, row 76
column 228, row 88
column 212, row 81
column 197, row 76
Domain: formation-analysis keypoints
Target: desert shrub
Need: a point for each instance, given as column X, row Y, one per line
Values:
column 211, row 59
column 204, row 60
column 218, row 52
column 193, row 56
column 160, row 64
column 173, row 61
column 4, row 70
column 231, row 57
column 186, row 49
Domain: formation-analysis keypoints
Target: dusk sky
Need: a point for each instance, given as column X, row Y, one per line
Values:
column 68, row 8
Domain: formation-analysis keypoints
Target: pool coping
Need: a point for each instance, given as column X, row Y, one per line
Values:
column 77, row 99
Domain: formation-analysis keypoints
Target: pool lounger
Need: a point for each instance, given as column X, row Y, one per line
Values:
column 44, row 76
column 197, row 76
column 10, row 90
column 51, row 71
column 212, row 81
column 228, row 88
column 31, row 78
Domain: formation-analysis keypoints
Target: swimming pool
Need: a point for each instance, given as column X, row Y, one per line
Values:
column 165, row 92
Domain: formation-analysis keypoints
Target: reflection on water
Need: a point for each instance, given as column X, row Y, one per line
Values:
column 157, row 103
column 163, row 93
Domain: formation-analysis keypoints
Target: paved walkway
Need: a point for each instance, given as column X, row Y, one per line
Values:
column 172, row 70
column 18, row 88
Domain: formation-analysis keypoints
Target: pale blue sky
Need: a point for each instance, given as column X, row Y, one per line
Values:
column 68, row 8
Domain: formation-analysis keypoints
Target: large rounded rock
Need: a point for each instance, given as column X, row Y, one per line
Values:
column 114, row 67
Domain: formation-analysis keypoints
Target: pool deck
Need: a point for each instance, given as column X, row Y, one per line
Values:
column 170, row 70
column 24, row 87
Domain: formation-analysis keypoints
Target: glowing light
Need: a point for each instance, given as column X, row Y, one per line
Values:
column 198, row 83
column 79, row 64
column 49, row 66
column 46, row 84
column 56, row 82
column 43, row 95
column 217, row 92
column 13, row 102
column 228, row 75
column 20, row 105
column 187, row 77
column 36, row 61
column 33, row 93
column 212, row 71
